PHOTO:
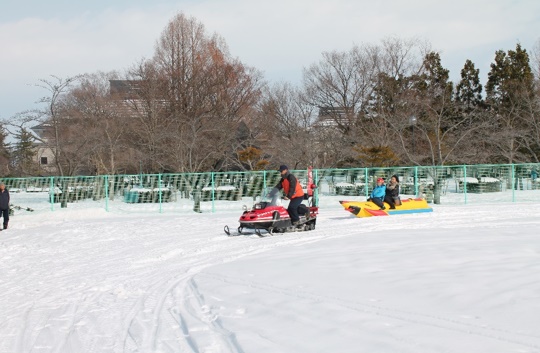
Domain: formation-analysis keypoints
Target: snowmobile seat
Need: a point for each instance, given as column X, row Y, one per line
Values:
column 303, row 209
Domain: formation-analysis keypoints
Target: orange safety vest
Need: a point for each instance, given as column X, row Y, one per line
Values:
column 298, row 192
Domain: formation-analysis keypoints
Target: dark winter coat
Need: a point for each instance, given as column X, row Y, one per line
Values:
column 4, row 200
column 392, row 190
column 290, row 185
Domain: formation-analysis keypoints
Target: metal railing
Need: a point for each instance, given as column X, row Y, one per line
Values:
column 221, row 191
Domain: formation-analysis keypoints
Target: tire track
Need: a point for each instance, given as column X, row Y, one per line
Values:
column 176, row 296
column 142, row 296
column 414, row 317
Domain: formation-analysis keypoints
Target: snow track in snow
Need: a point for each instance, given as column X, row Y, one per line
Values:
column 80, row 282
column 401, row 314
column 115, row 285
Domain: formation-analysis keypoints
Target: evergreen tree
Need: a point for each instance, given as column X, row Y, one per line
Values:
column 510, row 78
column 436, row 78
column 24, row 153
column 442, row 133
column 511, row 98
column 435, row 110
column 469, row 89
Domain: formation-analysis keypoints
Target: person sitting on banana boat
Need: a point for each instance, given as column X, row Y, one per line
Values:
column 378, row 194
column 392, row 192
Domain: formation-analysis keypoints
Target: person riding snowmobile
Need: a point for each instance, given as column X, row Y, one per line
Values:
column 293, row 192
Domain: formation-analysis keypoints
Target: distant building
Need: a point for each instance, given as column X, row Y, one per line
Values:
column 44, row 155
column 124, row 89
column 331, row 117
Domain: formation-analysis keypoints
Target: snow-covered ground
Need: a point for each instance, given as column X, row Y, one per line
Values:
column 464, row 278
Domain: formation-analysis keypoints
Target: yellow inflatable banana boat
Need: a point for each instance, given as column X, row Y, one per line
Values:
column 369, row 209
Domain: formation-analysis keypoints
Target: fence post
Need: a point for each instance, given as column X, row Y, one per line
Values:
column 213, row 193
column 416, row 181
column 51, row 193
column 64, row 192
column 366, row 185
column 465, row 183
column 513, row 174
column 316, row 182
column 197, row 200
column 160, row 191
column 106, row 180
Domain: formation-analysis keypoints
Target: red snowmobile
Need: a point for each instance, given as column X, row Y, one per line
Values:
column 268, row 217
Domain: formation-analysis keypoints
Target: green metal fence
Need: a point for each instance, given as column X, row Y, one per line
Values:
column 214, row 192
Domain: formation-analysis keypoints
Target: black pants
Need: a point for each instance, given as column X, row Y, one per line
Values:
column 293, row 208
column 390, row 200
column 377, row 201
column 5, row 214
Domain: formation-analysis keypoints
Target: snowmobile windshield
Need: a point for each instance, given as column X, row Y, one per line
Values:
column 272, row 196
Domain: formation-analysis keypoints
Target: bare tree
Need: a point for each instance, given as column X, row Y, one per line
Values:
column 101, row 120
column 342, row 82
column 288, row 134
column 360, row 90
column 430, row 118
column 151, row 131
column 401, row 57
column 535, row 59
column 439, row 127
column 207, row 93
column 529, row 114
column 389, row 122
column 5, row 158
column 60, row 132
column 533, row 107
column 340, row 86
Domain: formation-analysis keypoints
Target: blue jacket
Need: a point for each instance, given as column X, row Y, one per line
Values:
column 379, row 191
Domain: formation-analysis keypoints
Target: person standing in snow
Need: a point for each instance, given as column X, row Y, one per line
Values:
column 378, row 194
column 293, row 192
column 4, row 204
column 392, row 192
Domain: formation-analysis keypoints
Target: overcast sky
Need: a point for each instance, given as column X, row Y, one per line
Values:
column 40, row 38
